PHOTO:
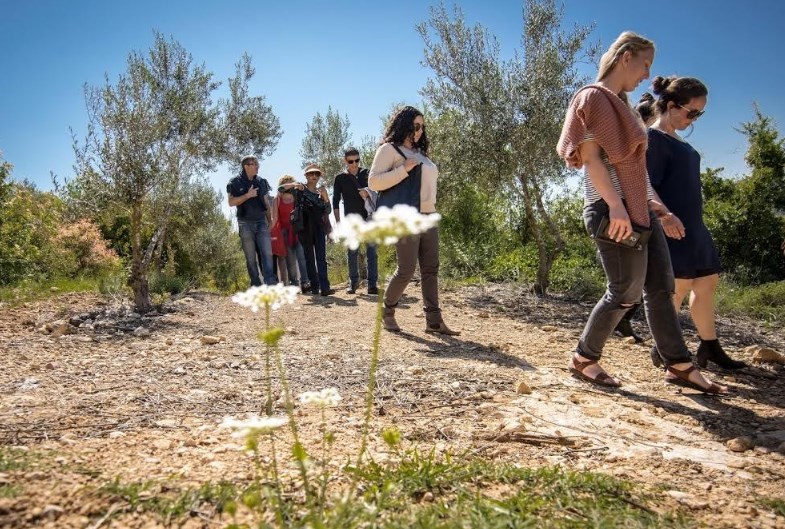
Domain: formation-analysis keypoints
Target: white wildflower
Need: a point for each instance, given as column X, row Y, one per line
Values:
column 253, row 425
column 273, row 296
column 325, row 398
column 387, row 226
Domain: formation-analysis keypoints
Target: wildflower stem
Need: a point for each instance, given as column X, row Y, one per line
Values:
column 278, row 497
column 298, row 447
column 268, row 407
column 369, row 397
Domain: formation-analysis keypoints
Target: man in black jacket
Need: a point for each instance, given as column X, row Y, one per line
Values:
column 352, row 187
column 249, row 193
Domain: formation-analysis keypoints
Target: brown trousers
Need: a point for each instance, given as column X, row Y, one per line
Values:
column 422, row 248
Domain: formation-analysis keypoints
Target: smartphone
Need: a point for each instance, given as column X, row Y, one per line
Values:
column 635, row 240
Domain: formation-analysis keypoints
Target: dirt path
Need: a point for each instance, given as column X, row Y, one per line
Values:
column 140, row 398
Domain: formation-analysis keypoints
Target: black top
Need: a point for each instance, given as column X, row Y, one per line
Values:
column 674, row 171
column 253, row 209
column 346, row 188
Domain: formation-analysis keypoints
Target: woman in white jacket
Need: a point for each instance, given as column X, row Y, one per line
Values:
column 402, row 173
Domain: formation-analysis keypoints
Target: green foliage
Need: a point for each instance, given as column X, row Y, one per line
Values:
column 325, row 139
column 159, row 498
column 746, row 216
column 471, row 231
column 162, row 283
column 394, row 497
column 765, row 302
column 29, row 220
column 775, row 504
column 30, row 290
column 13, row 459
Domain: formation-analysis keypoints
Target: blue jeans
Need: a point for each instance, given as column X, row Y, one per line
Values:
column 631, row 272
column 354, row 269
column 255, row 240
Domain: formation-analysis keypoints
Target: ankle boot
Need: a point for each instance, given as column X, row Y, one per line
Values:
column 656, row 359
column 624, row 328
column 435, row 324
column 712, row 350
column 388, row 318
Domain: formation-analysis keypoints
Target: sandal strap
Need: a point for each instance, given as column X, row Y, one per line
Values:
column 683, row 374
column 580, row 365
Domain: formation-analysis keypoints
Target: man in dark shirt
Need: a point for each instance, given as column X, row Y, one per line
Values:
column 249, row 193
column 352, row 186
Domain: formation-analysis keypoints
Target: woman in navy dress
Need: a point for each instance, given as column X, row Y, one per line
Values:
column 674, row 171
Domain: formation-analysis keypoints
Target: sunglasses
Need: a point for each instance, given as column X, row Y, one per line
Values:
column 692, row 113
column 418, row 126
column 351, row 162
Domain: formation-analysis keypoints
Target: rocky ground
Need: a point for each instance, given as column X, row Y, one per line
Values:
column 97, row 392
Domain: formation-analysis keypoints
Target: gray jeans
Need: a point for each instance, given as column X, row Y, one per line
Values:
column 631, row 272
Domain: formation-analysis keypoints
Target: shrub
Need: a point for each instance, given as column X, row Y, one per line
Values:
column 82, row 249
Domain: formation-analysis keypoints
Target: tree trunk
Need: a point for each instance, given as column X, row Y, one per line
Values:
column 542, row 281
column 138, row 278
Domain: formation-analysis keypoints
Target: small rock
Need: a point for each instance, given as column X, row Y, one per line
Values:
column 549, row 328
column 76, row 321
column 428, row 497
column 209, row 340
column 678, row 495
column 522, row 388
column 52, row 511
column 116, row 434
column 630, row 340
column 50, row 365
column 54, row 289
column 737, row 463
column 141, row 332
column 768, row 355
column 162, row 444
column 781, row 448
column 740, row 444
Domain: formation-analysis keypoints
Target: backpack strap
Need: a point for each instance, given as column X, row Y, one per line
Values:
column 399, row 150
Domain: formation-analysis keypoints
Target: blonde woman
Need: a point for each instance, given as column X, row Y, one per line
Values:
column 604, row 135
column 292, row 265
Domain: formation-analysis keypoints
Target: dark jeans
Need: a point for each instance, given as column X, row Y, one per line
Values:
column 315, row 249
column 255, row 240
column 354, row 269
column 630, row 272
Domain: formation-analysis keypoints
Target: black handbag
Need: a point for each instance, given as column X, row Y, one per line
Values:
column 296, row 216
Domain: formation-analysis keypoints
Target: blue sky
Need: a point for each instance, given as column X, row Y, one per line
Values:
column 358, row 57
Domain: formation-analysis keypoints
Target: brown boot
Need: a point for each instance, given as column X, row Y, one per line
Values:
column 435, row 324
column 388, row 318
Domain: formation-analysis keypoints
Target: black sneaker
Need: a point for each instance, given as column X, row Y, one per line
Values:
column 327, row 292
column 351, row 289
column 373, row 290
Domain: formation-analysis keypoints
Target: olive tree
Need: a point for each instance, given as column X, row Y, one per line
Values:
column 325, row 139
column 509, row 111
column 152, row 132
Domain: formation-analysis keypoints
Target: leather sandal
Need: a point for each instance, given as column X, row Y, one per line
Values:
column 681, row 377
column 602, row 378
